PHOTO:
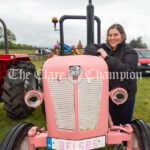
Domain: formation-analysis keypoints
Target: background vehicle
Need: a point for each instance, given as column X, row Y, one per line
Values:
column 76, row 107
column 43, row 51
column 144, row 60
column 16, row 78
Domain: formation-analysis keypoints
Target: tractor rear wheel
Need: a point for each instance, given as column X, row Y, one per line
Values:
column 16, row 138
column 19, row 80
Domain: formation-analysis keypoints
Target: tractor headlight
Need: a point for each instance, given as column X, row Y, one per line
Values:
column 34, row 98
column 118, row 95
column 139, row 64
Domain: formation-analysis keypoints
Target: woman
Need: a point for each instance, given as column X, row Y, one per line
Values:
column 122, row 60
column 122, row 63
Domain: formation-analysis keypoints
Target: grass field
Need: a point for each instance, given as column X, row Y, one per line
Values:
column 141, row 111
column 17, row 51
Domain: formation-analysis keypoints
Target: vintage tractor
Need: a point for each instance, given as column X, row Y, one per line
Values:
column 17, row 76
column 76, row 96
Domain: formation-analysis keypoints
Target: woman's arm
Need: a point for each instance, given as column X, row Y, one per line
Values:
column 127, row 64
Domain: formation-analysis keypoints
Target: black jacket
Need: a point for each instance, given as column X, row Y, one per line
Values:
column 122, row 65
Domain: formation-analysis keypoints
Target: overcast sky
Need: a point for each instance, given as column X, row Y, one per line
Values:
column 30, row 20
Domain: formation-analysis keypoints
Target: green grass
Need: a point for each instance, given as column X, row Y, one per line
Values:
column 38, row 62
column 6, row 123
column 141, row 111
column 18, row 51
column 142, row 104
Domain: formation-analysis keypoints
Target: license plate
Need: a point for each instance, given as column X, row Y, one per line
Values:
column 87, row 144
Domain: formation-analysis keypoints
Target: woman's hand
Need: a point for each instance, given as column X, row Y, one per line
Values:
column 102, row 52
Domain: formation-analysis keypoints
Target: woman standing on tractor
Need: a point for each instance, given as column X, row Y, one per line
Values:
column 121, row 60
column 122, row 63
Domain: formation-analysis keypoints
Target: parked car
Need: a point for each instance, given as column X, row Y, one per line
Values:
column 144, row 60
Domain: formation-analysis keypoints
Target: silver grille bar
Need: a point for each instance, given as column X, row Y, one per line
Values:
column 63, row 103
column 89, row 92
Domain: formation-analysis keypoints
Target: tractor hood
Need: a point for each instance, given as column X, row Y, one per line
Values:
column 58, row 66
column 76, row 96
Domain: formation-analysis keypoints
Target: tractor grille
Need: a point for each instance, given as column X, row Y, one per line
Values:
column 62, row 94
column 89, row 92
column 63, row 103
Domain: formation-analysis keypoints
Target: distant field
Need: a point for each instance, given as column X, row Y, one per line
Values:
column 17, row 51
column 141, row 111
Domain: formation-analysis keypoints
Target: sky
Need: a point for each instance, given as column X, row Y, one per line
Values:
column 30, row 20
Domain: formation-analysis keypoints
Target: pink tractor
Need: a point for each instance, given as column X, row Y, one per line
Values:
column 76, row 96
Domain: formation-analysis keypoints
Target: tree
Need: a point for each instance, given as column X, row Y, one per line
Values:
column 1, row 33
column 138, row 43
column 10, row 35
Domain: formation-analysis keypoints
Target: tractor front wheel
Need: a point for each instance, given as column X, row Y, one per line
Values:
column 19, row 80
column 16, row 138
column 141, row 135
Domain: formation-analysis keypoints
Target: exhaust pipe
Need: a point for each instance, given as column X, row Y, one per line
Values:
column 90, row 23
column 5, row 36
